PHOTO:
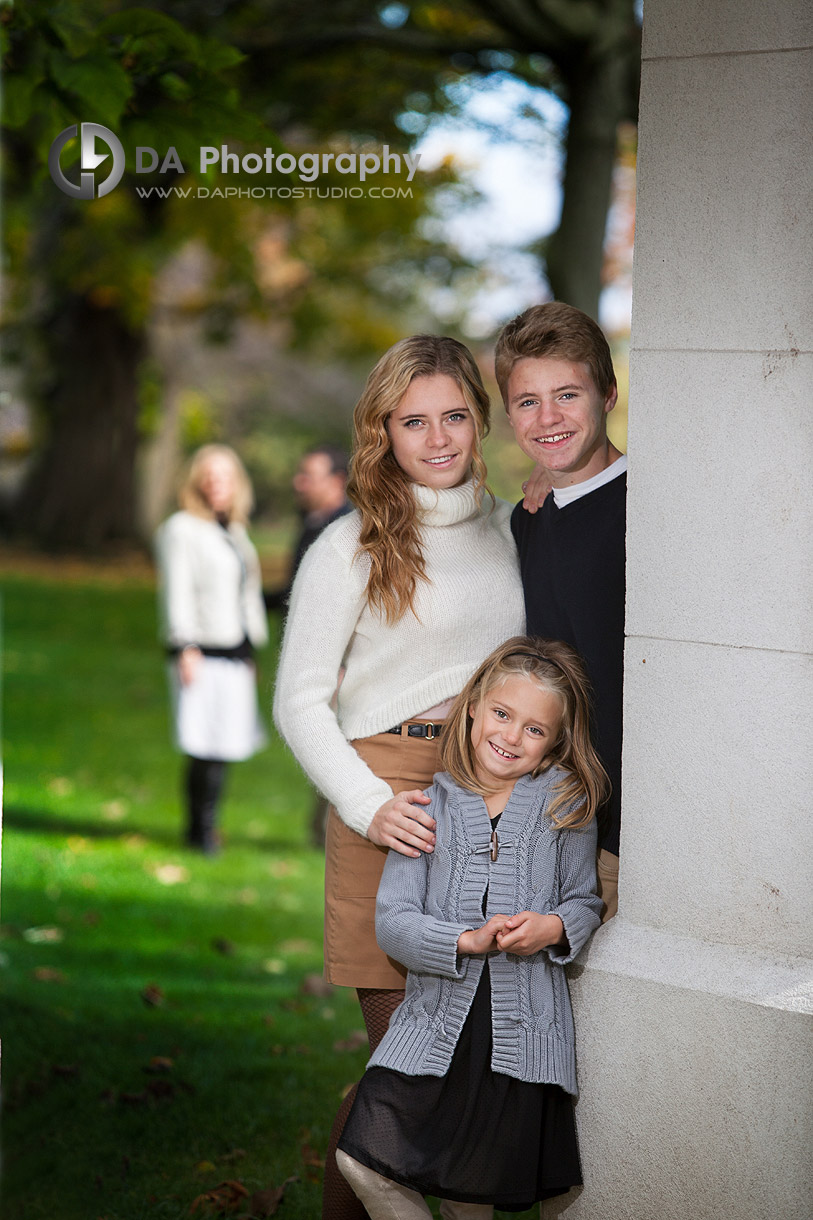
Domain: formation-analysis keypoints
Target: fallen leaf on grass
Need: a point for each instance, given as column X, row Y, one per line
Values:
column 274, row 965
column 61, row 785
column 153, row 996
column 156, row 1090
column 281, row 868
column 228, row 1158
column 298, row 946
column 170, row 874
column 225, row 1197
column 353, row 1042
column 158, row 1064
column 114, row 811
column 314, row 984
column 77, row 844
column 264, row 1203
column 42, row 936
column 311, row 1157
column 49, row 974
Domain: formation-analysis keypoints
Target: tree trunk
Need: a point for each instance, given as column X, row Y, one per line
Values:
column 81, row 494
column 597, row 95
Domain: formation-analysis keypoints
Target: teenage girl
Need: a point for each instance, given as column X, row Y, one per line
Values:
column 408, row 593
column 468, row 1095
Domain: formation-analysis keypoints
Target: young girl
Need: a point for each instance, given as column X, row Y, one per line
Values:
column 466, row 1096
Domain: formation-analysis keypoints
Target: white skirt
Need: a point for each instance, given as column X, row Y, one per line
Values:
column 217, row 716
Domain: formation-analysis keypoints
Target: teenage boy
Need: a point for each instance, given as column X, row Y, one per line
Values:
column 556, row 376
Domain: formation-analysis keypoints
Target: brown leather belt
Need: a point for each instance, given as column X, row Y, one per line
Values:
column 429, row 731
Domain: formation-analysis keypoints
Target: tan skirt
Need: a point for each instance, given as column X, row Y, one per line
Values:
column 353, row 867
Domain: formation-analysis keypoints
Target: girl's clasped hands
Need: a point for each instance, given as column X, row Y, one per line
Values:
column 523, row 934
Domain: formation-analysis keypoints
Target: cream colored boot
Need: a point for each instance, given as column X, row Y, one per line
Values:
column 383, row 1198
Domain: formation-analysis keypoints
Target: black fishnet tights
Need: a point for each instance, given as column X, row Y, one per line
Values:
column 338, row 1200
column 377, row 1007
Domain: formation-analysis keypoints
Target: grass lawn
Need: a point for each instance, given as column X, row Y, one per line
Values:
column 163, row 1026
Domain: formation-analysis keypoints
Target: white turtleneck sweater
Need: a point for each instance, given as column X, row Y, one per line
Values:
column 393, row 672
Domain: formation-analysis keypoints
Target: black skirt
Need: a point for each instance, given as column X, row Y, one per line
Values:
column 473, row 1135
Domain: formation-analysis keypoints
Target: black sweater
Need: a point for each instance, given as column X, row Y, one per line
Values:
column 572, row 561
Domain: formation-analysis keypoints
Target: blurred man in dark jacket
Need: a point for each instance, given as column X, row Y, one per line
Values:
column 320, row 485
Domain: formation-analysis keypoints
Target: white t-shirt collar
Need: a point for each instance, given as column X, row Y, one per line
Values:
column 566, row 495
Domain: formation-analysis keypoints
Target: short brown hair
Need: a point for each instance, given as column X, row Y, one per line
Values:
column 558, row 330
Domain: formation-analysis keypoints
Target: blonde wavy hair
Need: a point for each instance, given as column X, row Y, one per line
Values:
column 554, row 667
column 378, row 486
column 190, row 494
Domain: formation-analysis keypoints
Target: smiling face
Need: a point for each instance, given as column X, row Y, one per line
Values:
column 559, row 418
column 432, row 432
column 512, row 731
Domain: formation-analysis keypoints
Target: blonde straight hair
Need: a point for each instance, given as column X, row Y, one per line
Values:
column 192, row 498
column 379, row 488
column 555, row 667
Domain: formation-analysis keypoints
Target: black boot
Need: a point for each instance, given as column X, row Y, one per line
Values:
column 204, row 786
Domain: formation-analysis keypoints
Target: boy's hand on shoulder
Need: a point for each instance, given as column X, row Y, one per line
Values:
column 481, row 940
column 528, row 932
column 536, row 489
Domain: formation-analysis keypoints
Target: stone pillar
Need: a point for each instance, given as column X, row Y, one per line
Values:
column 692, row 1006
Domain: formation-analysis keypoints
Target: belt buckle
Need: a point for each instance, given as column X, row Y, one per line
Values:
column 429, row 732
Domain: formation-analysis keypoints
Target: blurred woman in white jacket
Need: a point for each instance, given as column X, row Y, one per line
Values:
column 212, row 618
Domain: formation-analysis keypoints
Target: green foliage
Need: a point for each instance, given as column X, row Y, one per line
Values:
column 136, row 71
column 198, row 423
column 141, row 74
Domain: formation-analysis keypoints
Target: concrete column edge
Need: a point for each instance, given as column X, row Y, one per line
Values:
column 685, row 962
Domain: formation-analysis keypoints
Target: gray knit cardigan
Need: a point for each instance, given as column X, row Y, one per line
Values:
column 424, row 904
